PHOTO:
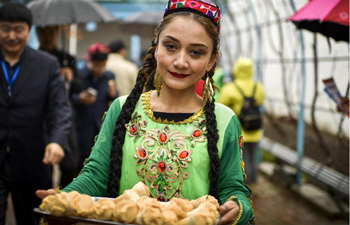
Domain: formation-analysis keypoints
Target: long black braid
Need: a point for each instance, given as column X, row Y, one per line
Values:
column 213, row 138
column 124, row 118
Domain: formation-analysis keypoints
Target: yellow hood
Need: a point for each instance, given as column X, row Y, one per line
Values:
column 243, row 69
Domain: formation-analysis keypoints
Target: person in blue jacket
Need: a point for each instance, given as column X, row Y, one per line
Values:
column 93, row 102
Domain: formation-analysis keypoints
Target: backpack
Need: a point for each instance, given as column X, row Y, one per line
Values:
column 250, row 116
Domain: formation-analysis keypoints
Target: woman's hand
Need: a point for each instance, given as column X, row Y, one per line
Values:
column 43, row 193
column 229, row 212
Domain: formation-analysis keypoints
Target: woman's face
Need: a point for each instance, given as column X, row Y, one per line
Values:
column 184, row 53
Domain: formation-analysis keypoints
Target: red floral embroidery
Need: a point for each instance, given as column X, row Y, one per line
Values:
column 241, row 141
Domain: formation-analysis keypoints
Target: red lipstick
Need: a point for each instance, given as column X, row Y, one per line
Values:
column 178, row 75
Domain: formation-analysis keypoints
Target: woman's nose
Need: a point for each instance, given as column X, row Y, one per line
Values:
column 181, row 60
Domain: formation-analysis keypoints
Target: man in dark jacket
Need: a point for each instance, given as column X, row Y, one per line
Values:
column 47, row 36
column 34, row 115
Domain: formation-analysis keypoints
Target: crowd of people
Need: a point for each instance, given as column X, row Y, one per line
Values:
column 111, row 125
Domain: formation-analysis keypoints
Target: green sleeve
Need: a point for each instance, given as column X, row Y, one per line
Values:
column 231, row 183
column 93, row 179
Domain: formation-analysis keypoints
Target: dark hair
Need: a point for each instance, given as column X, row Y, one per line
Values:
column 98, row 52
column 99, row 56
column 148, row 68
column 15, row 12
column 116, row 46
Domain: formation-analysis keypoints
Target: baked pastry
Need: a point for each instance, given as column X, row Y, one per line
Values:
column 130, row 195
column 82, row 205
column 183, row 203
column 169, row 218
column 135, row 206
column 125, row 211
column 44, row 206
column 150, row 216
column 206, row 198
column 146, row 202
column 205, row 214
column 212, row 209
column 175, row 208
column 199, row 218
column 59, row 205
column 141, row 189
column 73, row 194
column 118, row 199
column 103, row 209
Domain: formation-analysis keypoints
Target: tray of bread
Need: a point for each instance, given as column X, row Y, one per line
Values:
column 134, row 206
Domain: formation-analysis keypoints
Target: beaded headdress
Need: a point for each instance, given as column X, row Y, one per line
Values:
column 204, row 8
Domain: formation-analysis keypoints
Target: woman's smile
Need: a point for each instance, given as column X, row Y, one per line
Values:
column 179, row 75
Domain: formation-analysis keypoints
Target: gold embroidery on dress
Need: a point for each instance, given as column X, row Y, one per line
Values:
column 146, row 99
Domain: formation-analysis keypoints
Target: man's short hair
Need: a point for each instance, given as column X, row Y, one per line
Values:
column 15, row 12
column 116, row 46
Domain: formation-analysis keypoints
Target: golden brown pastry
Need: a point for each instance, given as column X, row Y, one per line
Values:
column 150, row 216
column 82, row 205
column 145, row 201
column 141, row 189
column 73, row 194
column 44, row 206
column 103, row 209
column 206, row 198
column 125, row 211
column 59, row 205
column 201, row 217
column 130, row 195
column 169, row 218
column 118, row 199
column 206, row 214
column 212, row 209
column 183, row 203
column 175, row 208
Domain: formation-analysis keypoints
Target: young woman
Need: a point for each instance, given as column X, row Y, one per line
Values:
column 177, row 143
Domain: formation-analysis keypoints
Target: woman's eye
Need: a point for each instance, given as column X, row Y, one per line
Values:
column 170, row 47
column 196, row 53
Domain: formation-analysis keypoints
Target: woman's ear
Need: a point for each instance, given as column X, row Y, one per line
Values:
column 211, row 62
column 156, row 53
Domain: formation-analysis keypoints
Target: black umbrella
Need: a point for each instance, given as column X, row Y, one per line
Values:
column 142, row 23
column 62, row 12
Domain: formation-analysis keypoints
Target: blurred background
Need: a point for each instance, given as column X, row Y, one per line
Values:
column 304, row 155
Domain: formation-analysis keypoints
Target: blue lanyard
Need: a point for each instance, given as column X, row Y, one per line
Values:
column 12, row 81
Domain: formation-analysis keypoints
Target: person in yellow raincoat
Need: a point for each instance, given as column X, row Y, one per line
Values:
column 230, row 96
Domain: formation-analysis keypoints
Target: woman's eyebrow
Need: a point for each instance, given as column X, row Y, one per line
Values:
column 193, row 44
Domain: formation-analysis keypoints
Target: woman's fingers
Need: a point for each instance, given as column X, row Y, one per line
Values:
column 43, row 193
column 229, row 212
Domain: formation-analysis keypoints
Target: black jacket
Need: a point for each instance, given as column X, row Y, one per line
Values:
column 38, row 113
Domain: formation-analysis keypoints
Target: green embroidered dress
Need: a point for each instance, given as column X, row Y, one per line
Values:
column 170, row 157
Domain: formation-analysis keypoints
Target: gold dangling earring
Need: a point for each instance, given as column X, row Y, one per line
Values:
column 208, row 91
column 157, row 82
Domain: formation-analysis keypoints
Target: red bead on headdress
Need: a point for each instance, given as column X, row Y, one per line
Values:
column 205, row 8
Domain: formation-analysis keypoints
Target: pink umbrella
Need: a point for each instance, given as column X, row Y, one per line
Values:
column 328, row 17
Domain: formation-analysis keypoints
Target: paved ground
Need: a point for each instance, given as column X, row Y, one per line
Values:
column 273, row 205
